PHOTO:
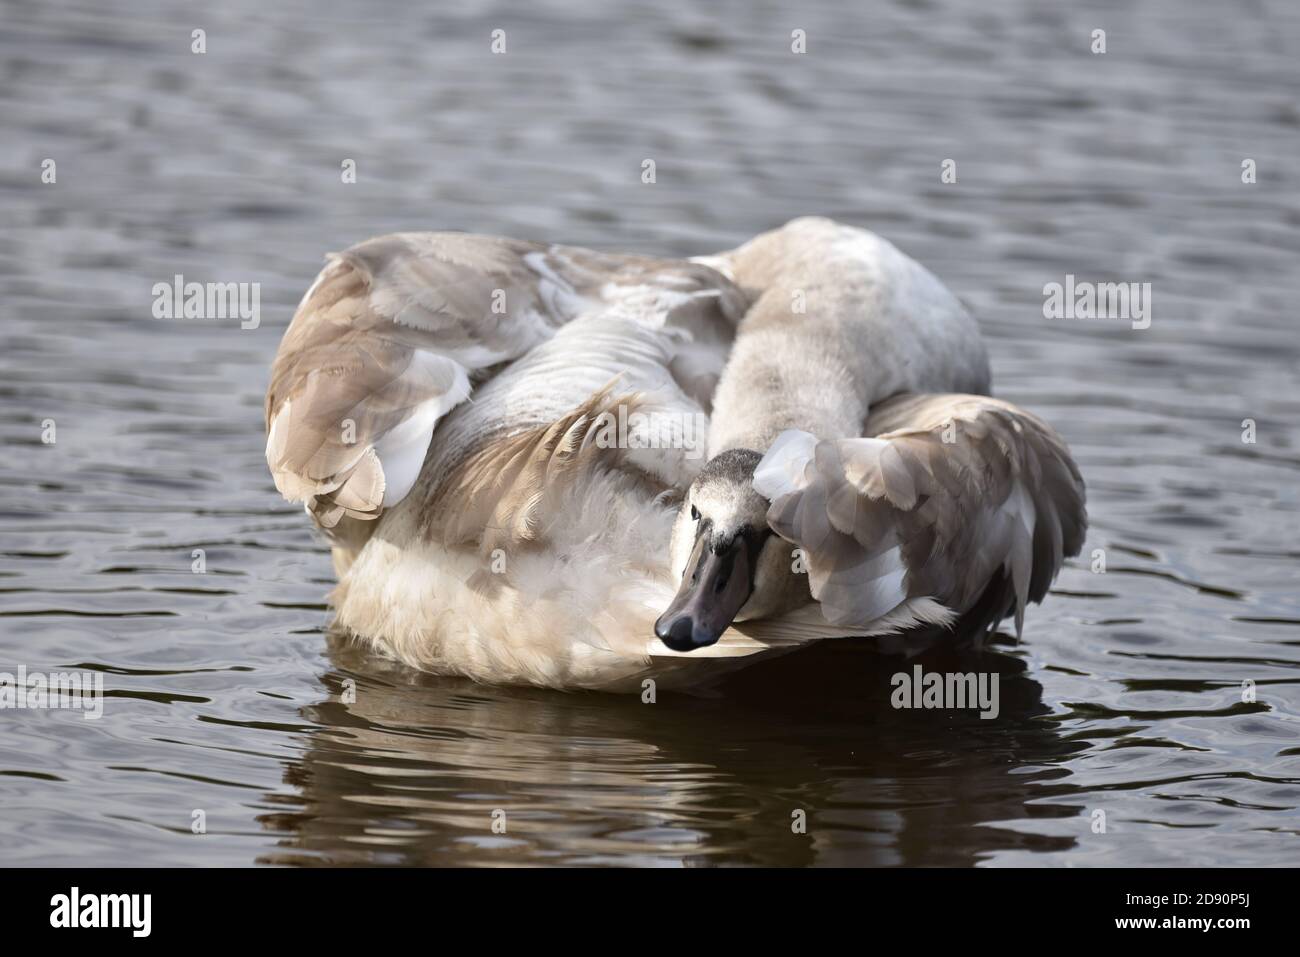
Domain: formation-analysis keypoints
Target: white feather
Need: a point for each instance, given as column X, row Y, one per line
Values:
column 782, row 469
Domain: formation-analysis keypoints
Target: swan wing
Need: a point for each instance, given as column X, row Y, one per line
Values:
column 945, row 495
column 397, row 331
column 600, row 393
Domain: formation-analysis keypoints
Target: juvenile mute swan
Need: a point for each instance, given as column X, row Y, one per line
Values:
column 546, row 465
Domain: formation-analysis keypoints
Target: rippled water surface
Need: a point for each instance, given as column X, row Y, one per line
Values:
column 224, row 690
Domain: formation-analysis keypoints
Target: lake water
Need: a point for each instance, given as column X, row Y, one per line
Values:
column 1123, row 704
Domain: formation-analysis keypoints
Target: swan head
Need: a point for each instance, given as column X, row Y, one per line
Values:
column 732, row 565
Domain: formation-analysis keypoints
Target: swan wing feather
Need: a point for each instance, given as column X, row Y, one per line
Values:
column 942, row 495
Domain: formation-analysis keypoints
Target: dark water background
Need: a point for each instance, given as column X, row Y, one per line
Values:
column 1125, row 696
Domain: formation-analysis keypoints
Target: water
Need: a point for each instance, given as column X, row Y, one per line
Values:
column 224, row 690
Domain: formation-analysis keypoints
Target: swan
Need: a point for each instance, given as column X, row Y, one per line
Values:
column 547, row 465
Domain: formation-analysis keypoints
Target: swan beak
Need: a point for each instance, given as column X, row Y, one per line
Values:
column 711, row 595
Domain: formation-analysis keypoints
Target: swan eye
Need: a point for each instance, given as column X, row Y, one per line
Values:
column 695, row 513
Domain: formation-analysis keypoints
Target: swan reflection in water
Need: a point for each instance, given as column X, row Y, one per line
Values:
column 411, row 769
